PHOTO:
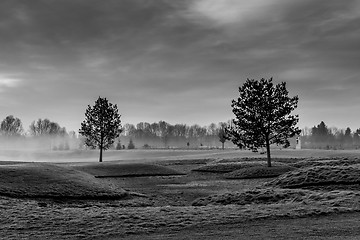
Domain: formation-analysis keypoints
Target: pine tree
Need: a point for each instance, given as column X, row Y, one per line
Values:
column 131, row 144
column 222, row 136
column 101, row 126
column 262, row 116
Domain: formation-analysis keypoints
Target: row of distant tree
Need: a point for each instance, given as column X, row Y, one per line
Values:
column 160, row 134
column 165, row 135
column 41, row 133
column 12, row 127
column 324, row 137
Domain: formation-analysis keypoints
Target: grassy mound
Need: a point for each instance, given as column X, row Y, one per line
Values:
column 316, row 176
column 232, row 166
column 326, row 162
column 274, row 195
column 102, row 170
column 40, row 180
column 259, row 172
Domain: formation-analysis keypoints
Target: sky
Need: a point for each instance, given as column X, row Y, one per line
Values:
column 180, row 61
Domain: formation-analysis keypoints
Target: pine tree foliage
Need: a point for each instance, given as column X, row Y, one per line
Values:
column 102, row 125
column 263, row 116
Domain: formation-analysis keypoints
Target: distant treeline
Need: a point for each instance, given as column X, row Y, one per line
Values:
column 46, row 134
column 165, row 135
column 323, row 137
column 42, row 134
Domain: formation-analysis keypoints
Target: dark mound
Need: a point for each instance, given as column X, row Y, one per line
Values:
column 40, row 180
column 259, row 172
column 232, row 166
column 103, row 170
column 261, row 159
column 318, row 176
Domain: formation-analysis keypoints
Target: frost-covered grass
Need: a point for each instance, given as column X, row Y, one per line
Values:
column 219, row 201
column 337, row 161
column 317, row 176
column 43, row 180
column 275, row 195
column 113, row 222
column 259, row 172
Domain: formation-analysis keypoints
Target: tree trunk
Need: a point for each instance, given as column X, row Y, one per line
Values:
column 268, row 151
column 101, row 151
column 100, row 158
column 222, row 146
column 101, row 146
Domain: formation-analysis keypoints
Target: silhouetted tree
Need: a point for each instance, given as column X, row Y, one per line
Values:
column 118, row 145
column 348, row 138
column 262, row 116
column 11, row 126
column 101, row 126
column 356, row 138
column 222, row 134
column 131, row 144
column 321, row 133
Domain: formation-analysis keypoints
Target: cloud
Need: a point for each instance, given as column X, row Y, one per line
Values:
column 8, row 82
column 174, row 54
column 228, row 12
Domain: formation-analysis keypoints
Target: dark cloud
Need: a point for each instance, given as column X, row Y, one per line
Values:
column 165, row 59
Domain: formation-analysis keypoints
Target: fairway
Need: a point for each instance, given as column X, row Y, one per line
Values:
column 143, row 155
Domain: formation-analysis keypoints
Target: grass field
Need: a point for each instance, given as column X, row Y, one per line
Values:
column 152, row 194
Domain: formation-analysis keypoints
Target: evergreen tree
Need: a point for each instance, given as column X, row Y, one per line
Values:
column 131, row 144
column 118, row 145
column 101, row 126
column 263, row 116
column 222, row 136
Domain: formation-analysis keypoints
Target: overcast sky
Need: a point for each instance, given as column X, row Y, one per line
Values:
column 181, row 61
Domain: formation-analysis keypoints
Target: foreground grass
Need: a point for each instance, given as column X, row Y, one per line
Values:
column 41, row 180
column 102, row 222
column 27, row 219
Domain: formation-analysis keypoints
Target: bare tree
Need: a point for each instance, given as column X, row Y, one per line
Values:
column 11, row 126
